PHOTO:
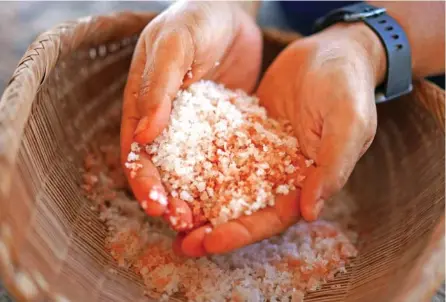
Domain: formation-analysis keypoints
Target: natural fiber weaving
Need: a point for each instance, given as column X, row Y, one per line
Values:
column 61, row 94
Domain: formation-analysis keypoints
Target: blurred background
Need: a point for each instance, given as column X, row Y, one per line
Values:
column 21, row 22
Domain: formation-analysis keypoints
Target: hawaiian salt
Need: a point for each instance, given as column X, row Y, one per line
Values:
column 223, row 155
column 282, row 268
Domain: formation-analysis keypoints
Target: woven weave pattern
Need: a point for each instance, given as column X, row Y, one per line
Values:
column 69, row 84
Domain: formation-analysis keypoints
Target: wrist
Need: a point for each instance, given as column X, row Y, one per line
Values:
column 367, row 44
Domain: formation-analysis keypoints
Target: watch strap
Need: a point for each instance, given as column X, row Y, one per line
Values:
column 398, row 79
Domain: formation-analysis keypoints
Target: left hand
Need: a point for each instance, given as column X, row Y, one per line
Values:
column 324, row 85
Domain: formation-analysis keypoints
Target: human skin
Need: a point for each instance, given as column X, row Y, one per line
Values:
column 324, row 84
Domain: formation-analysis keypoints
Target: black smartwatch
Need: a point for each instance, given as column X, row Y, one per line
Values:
column 398, row 80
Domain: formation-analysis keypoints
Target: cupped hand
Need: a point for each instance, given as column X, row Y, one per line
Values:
column 324, row 85
column 187, row 42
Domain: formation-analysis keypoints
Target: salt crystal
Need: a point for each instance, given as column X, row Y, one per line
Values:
column 162, row 200
column 218, row 141
column 154, row 195
column 290, row 169
column 144, row 204
column 134, row 147
column 282, row 189
column 201, row 186
column 132, row 156
column 260, row 172
column 180, row 210
column 309, row 162
column 173, row 220
column 186, row 196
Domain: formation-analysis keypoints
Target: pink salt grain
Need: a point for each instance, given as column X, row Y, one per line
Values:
column 282, row 268
column 221, row 151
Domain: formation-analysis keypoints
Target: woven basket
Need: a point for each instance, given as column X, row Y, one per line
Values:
column 71, row 80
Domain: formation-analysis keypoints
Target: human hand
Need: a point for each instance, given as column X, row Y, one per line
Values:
column 188, row 42
column 324, row 85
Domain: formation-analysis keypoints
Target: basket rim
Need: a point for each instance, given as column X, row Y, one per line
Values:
column 39, row 61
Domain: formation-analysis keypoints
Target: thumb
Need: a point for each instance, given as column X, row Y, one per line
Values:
column 343, row 139
column 167, row 62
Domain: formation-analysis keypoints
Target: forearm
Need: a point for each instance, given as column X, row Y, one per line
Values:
column 423, row 23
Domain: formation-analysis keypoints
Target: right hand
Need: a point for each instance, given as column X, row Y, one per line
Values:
column 213, row 40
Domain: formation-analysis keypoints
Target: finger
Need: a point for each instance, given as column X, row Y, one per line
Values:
column 342, row 141
column 179, row 215
column 248, row 229
column 146, row 180
column 192, row 244
column 167, row 62
column 147, row 188
column 130, row 113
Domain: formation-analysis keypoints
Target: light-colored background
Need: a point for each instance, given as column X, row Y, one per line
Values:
column 21, row 22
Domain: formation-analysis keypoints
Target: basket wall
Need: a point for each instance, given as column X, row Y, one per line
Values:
column 70, row 81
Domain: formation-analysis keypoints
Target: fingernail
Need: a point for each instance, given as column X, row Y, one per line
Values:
column 142, row 126
column 318, row 208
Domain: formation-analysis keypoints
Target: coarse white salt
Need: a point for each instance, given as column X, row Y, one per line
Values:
column 282, row 189
column 154, row 195
column 290, row 169
column 134, row 147
column 282, row 268
column 222, row 142
column 184, row 195
column 132, row 157
column 144, row 204
column 309, row 162
column 173, row 220
column 162, row 200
